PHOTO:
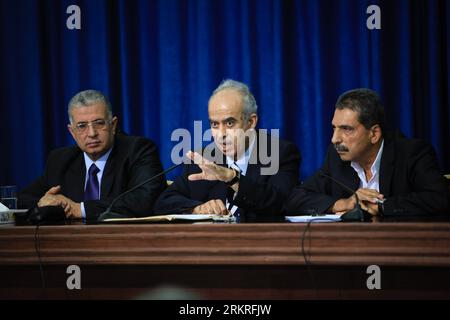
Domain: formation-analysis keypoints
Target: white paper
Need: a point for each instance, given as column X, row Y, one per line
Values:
column 3, row 208
column 314, row 218
column 171, row 217
column 7, row 216
column 192, row 216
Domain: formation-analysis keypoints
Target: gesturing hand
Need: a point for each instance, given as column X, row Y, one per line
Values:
column 210, row 170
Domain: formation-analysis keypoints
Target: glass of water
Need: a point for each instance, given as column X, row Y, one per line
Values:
column 8, row 196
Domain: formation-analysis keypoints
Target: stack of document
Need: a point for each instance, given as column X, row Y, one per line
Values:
column 314, row 218
column 7, row 215
column 173, row 217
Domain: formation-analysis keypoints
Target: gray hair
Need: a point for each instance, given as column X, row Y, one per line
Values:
column 87, row 98
column 247, row 97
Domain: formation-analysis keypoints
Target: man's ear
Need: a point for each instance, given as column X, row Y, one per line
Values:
column 114, row 122
column 72, row 132
column 375, row 134
column 252, row 121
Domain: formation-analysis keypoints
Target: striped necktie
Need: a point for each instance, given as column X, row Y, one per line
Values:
column 230, row 196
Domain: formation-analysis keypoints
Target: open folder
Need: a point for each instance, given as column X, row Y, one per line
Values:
column 171, row 218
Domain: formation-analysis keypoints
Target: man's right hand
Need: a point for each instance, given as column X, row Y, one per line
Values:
column 53, row 198
column 344, row 205
column 367, row 200
column 215, row 206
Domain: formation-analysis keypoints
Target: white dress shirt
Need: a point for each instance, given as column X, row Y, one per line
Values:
column 374, row 182
column 100, row 164
column 241, row 165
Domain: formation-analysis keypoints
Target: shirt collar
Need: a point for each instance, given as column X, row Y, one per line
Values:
column 100, row 163
column 375, row 168
column 242, row 162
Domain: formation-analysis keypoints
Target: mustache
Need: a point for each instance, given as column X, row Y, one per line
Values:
column 224, row 141
column 340, row 147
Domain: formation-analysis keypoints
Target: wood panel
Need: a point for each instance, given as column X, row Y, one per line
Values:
column 393, row 244
column 228, row 261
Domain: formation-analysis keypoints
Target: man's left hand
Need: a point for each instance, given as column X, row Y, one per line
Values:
column 368, row 200
column 73, row 209
column 371, row 208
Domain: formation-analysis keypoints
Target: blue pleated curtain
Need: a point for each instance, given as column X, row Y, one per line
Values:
column 158, row 61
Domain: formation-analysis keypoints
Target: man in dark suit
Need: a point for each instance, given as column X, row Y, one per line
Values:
column 235, row 177
column 391, row 175
column 84, row 179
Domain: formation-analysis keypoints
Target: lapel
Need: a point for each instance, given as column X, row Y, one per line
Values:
column 108, row 177
column 218, row 189
column 109, row 173
column 387, row 167
column 254, row 165
column 353, row 181
column 349, row 178
column 76, row 176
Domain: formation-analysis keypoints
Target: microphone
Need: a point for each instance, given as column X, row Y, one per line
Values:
column 357, row 213
column 107, row 214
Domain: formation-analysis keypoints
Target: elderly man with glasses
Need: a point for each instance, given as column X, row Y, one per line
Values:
column 84, row 179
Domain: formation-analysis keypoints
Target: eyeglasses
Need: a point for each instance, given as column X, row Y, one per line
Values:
column 98, row 124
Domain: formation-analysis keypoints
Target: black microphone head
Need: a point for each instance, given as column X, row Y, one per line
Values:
column 356, row 214
column 46, row 215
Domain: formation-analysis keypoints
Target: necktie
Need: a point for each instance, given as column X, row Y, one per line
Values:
column 230, row 196
column 91, row 192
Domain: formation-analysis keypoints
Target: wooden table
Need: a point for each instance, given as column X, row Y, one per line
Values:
column 228, row 261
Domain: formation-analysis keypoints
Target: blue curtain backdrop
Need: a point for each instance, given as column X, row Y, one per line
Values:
column 158, row 61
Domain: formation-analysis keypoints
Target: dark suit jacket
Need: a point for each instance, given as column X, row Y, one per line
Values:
column 410, row 180
column 259, row 196
column 132, row 160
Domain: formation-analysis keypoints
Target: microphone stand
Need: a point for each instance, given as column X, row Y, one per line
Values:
column 104, row 215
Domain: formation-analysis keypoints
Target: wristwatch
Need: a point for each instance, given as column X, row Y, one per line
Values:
column 236, row 178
